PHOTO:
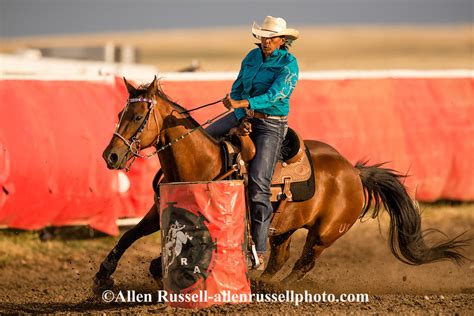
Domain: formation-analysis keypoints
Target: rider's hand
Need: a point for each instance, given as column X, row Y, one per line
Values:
column 234, row 104
column 245, row 128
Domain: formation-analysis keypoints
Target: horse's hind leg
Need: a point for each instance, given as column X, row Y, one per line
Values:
column 148, row 225
column 279, row 254
column 312, row 249
column 319, row 238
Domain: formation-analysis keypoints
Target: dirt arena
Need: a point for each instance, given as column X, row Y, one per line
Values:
column 55, row 276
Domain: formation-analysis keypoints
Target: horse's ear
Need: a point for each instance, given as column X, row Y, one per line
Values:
column 153, row 87
column 130, row 88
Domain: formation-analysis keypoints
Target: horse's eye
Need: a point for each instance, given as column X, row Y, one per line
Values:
column 138, row 118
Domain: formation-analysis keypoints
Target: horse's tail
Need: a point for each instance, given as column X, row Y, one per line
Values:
column 383, row 187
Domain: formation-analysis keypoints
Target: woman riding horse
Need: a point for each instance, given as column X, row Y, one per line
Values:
column 264, row 85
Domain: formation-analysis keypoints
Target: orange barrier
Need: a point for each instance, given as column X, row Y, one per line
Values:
column 52, row 134
column 203, row 242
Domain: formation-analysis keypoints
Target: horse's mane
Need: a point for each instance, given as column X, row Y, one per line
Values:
column 160, row 93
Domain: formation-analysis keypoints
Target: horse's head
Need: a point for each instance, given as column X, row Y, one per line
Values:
column 138, row 126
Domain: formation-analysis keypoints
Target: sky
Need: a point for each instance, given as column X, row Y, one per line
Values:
column 46, row 17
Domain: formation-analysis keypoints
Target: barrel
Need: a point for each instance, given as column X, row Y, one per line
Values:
column 203, row 243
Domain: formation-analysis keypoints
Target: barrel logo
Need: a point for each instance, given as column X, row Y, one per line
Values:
column 188, row 247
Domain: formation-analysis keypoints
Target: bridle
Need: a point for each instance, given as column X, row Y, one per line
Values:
column 135, row 139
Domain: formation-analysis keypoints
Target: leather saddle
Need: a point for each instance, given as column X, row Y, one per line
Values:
column 293, row 178
column 294, row 167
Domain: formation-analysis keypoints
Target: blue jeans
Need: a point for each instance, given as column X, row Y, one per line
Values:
column 221, row 127
column 267, row 135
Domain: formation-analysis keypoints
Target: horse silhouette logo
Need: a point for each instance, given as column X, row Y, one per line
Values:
column 174, row 244
column 187, row 247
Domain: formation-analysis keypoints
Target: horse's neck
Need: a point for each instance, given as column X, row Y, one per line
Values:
column 195, row 157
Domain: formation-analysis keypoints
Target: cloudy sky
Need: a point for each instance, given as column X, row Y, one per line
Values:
column 40, row 17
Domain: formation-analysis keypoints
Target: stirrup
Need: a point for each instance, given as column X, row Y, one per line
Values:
column 254, row 261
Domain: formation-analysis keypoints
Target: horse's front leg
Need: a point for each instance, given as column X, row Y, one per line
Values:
column 148, row 225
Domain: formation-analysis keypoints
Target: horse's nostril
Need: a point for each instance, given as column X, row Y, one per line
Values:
column 113, row 158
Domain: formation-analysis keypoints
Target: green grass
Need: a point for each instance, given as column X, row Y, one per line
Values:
column 22, row 244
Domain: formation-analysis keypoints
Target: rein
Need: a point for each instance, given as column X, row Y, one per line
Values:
column 135, row 141
column 188, row 133
column 202, row 106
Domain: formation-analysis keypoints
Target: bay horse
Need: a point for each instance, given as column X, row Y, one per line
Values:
column 344, row 192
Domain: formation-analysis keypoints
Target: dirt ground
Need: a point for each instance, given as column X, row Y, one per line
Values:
column 55, row 276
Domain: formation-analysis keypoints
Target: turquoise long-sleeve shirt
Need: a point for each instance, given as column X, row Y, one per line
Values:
column 266, row 83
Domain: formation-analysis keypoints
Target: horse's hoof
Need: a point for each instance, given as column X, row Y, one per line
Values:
column 156, row 272
column 159, row 284
column 155, row 268
column 99, row 285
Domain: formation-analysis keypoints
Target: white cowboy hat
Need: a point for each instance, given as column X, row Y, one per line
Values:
column 273, row 27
